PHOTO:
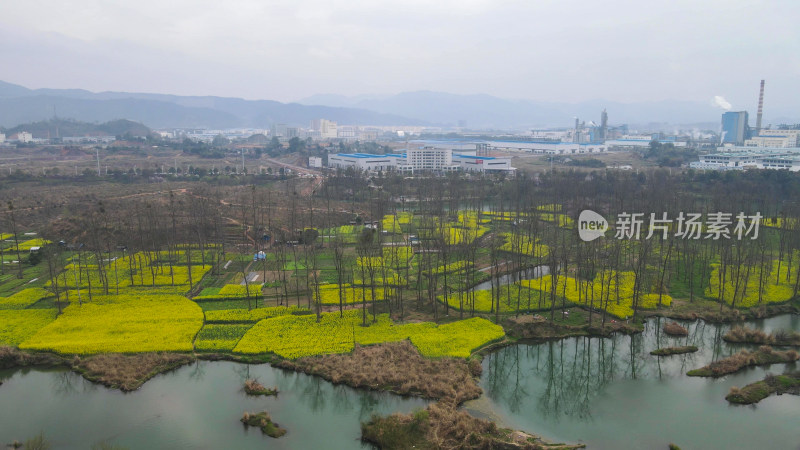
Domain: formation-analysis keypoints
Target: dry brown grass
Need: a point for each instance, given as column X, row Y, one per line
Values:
column 253, row 387
column 754, row 336
column 675, row 329
column 128, row 372
column 11, row 357
column 443, row 426
column 734, row 363
column 397, row 367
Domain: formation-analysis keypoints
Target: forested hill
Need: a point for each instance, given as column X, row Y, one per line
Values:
column 19, row 104
column 73, row 128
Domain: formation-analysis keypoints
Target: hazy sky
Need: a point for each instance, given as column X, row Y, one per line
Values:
column 552, row 50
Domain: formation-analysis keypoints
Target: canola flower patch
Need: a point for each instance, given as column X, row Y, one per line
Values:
column 397, row 257
column 239, row 290
column 329, row 294
column 138, row 269
column 529, row 300
column 390, row 224
column 29, row 244
column 122, row 324
column 377, row 278
column 298, row 336
column 24, row 298
column 452, row 267
column 458, row 339
column 562, row 220
column 551, row 207
column 780, row 222
column 616, row 299
column 17, row 326
column 250, row 316
column 523, row 245
column 220, row 337
column 374, row 262
column 747, row 293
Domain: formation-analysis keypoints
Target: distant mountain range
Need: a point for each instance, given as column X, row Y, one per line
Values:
column 53, row 128
column 19, row 105
column 22, row 105
column 486, row 111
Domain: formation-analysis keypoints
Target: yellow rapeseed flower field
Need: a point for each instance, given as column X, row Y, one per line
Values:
column 297, row 336
column 16, row 326
column 746, row 290
column 24, row 298
column 122, row 324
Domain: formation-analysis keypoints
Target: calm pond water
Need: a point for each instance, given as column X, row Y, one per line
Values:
column 195, row 407
column 509, row 278
column 612, row 394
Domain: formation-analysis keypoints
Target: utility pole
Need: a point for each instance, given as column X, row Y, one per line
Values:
column 97, row 149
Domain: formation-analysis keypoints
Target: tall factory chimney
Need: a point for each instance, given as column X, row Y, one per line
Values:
column 604, row 125
column 760, row 108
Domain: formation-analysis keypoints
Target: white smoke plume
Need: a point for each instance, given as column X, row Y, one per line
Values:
column 719, row 101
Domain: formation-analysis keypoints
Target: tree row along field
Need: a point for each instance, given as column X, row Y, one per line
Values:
column 265, row 270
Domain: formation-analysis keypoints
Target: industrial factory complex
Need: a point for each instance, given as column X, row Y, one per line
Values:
column 742, row 147
column 426, row 159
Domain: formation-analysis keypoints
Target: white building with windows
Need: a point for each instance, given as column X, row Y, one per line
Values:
column 470, row 163
column 327, row 128
column 421, row 160
column 365, row 161
column 775, row 139
column 430, row 158
column 748, row 160
column 549, row 147
column 315, row 162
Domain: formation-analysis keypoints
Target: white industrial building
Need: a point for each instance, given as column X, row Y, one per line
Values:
column 549, row 148
column 775, row 139
column 420, row 160
column 364, row 161
column 315, row 162
column 469, row 163
column 429, row 158
column 630, row 143
column 748, row 160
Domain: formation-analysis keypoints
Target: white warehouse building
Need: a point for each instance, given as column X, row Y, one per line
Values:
column 420, row 160
column 550, row 148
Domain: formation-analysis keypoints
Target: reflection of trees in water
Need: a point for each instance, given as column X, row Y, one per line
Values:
column 563, row 377
column 198, row 371
column 573, row 372
column 368, row 402
column 66, row 383
column 242, row 371
column 318, row 394
column 311, row 391
column 341, row 399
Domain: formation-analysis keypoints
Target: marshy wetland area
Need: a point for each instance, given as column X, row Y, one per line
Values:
column 350, row 311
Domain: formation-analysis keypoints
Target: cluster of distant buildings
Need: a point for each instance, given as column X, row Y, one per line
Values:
column 324, row 129
column 318, row 130
column 423, row 159
column 742, row 147
column 770, row 149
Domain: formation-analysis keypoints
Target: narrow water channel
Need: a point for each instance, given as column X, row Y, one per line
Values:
column 194, row 407
column 509, row 278
column 612, row 394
